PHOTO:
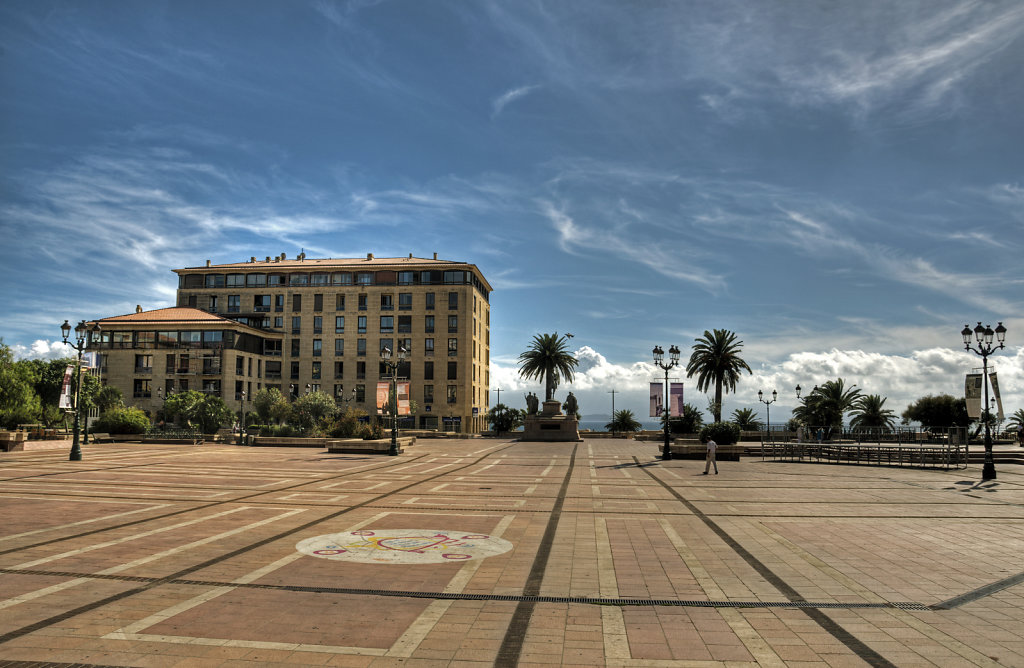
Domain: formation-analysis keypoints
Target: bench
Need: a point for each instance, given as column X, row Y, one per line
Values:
column 12, row 441
column 100, row 437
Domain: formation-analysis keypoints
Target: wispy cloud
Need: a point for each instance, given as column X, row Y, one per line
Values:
column 499, row 103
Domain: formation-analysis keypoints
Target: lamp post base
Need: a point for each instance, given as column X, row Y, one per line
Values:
column 988, row 471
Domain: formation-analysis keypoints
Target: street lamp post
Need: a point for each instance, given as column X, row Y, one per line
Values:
column 81, row 341
column 659, row 356
column 385, row 357
column 985, row 347
column 242, row 432
column 768, row 409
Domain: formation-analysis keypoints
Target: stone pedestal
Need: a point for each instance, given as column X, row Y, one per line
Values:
column 551, row 425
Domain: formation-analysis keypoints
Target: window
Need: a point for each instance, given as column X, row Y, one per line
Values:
column 295, row 347
column 166, row 339
column 362, row 302
column 341, row 279
column 261, row 303
column 428, row 347
column 364, row 278
column 320, row 279
column 339, row 324
column 145, row 339
column 298, row 279
column 387, row 324
column 453, row 299
column 405, row 301
column 387, row 302
column 360, row 393
column 295, row 371
column 428, row 324
column 278, row 303
column 386, row 343
column 170, row 363
column 428, row 371
column 279, row 322
column 318, row 324
column 141, row 388
column 454, row 277
column 407, row 344
column 430, row 301
column 453, row 324
column 339, row 369
column 183, row 365
column 236, row 280
column 239, row 365
column 453, row 393
column 339, row 390
column 453, row 370
column 361, row 325
column 405, row 324
column 143, row 364
column 234, row 303
column 318, row 347
column 215, row 280
column 296, row 303
column 275, row 279
column 428, row 394
column 296, row 324
column 255, row 280
column 318, row 302
column 360, row 370
column 453, row 346
column 213, row 303
column 339, row 302
column 405, row 278
column 274, row 370
column 315, row 387
column 361, row 347
column 316, row 370
column 339, row 346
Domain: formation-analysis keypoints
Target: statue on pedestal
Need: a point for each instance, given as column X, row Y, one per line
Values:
column 531, row 404
column 570, row 406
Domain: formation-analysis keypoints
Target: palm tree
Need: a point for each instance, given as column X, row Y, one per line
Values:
column 716, row 361
column 827, row 403
column 623, row 421
column 746, row 419
column 548, row 357
column 870, row 411
column 1017, row 419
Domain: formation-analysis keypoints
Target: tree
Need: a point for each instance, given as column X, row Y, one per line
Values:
column 108, row 397
column 689, row 422
column 505, row 419
column 548, row 357
column 198, row 409
column 271, row 406
column 870, row 411
column 623, row 421
column 715, row 361
column 746, row 419
column 943, row 411
column 18, row 401
column 1017, row 418
column 826, row 405
column 312, row 411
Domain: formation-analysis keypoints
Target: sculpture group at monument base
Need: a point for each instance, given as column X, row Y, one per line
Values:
column 551, row 425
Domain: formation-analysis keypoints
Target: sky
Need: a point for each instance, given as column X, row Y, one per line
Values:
column 841, row 184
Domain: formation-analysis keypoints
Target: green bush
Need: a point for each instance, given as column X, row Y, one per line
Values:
column 282, row 430
column 121, row 421
column 723, row 433
column 347, row 425
column 372, row 432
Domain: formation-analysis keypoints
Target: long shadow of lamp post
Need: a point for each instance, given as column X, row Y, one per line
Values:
column 985, row 347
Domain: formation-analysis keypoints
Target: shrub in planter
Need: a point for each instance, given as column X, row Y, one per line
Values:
column 722, row 433
column 122, row 421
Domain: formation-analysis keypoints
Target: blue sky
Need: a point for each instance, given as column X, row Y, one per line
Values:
column 839, row 183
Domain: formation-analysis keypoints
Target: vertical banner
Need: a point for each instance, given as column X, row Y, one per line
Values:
column 90, row 360
column 383, row 389
column 403, row 398
column 675, row 394
column 995, row 393
column 65, row 388
column 972, row 393
column 656, row 398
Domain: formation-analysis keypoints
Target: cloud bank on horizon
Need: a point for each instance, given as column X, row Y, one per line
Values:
column 841, row 185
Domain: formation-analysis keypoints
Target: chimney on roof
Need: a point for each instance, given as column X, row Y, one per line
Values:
column 268, row 258
column 277, row 259
column 302, row 257
column 410, row 256
column 252, row 259
column 283, row 256
column 207, row 263
column 435, row 256
column 369, row 256
column 138, row 308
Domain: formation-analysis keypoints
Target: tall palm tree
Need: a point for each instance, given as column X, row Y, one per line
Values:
column 870, row 411
column 623, row 420
column 746, row 418
column 826, row 405
column 548, row 357
column 1017, row 418
column 716, row 360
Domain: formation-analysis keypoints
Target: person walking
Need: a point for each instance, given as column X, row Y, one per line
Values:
column 712, row 448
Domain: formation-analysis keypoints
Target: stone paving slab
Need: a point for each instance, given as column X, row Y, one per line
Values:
column 480, row 552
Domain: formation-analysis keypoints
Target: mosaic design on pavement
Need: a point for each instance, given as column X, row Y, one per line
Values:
column 403, row 546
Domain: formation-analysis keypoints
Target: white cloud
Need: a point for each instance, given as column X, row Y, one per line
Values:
column 499, row 103
column 42, row 349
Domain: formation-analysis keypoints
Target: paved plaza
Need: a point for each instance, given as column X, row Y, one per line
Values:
column 484, row 552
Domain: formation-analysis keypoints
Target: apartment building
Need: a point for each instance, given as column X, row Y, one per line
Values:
column 149, row 355
column 332, row 317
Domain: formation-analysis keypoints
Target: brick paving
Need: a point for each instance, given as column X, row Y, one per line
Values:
column 155, row 555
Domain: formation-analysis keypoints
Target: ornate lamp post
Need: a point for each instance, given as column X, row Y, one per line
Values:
column 768, row 409
column 81, row 342
column 985, row 347
column 659, row 356
column 385, row 357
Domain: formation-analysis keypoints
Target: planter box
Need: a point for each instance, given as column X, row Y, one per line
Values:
column 379, row 446
column 172, row 441
column 724, row 452
column 288, row 441
column 12, row 441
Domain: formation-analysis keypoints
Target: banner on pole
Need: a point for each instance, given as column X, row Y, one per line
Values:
column 383, row 388
column 972, row 394
column 65, row 388
column 675, row 406
column 656, row 398
column 403, row 398
column 995, row 393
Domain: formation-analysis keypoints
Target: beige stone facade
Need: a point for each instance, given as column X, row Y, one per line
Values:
column 151, row 354
column 333, row 316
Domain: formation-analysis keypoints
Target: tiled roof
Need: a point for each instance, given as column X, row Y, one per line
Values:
column 339, row 263
column 178, row 315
